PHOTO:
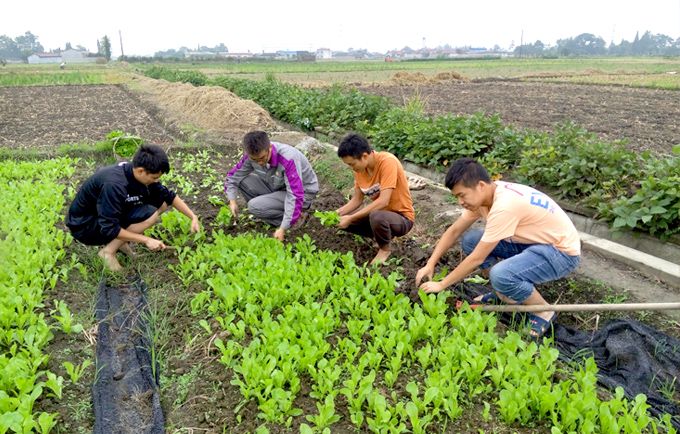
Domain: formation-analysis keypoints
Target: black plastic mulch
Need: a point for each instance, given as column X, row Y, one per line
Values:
column 125, row 393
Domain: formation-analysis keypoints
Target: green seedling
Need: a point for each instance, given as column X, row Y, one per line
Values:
column 328, row 218
column 75, row 372
column 66, row 318
column 214, row 200
column 477, row 279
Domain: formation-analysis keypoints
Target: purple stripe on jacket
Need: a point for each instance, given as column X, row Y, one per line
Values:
column 232, row 171
column 296, row 187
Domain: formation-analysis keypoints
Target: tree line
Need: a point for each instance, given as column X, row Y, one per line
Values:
column 587, row 44
column 21, row 47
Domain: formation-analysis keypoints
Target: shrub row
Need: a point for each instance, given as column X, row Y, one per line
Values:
column 196, row 78
column 335, row 108
column 628, row 190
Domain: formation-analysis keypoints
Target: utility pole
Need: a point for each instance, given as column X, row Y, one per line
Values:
column 122, row 54
column 521, row 43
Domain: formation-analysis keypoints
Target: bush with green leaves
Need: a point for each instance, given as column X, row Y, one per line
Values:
column 196, row 78
column 655, row 206
column 334, row 108
column 573, row 164
column 437, row 141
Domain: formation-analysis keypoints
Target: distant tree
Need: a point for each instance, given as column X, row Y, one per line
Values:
column 106, row 47
column 448, row 47
column 407, row 49
column 99, row 46
column 538, row 47
column 28, row 44
column 81, row 48
column 221, row 48
column 512, row 45
column 585, row 44
column 9, row 48
column 68, row 46
column 496, row 48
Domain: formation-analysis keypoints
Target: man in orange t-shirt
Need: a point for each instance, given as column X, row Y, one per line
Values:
column 528, row 239
column 379, row 176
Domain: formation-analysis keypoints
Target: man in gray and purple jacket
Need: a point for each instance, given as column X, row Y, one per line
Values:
column 276, row 180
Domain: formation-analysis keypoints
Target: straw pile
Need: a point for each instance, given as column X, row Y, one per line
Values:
column 209, row 107
column 403, row 77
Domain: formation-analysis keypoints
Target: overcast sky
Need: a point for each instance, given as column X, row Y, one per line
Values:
column 269, row 25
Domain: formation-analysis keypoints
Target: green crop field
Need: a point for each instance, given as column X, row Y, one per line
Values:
column 31, row 75
column 646, row 72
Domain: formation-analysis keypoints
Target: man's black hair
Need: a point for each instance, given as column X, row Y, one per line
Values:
column 354, row 145
column 255, row 142
column 151, row 158
column 466, row 171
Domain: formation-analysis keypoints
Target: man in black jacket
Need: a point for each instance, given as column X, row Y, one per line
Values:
column 118, row 203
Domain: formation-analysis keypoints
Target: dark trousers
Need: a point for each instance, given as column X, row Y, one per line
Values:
column 381, row 225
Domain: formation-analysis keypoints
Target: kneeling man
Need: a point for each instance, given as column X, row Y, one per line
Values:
column 275, row 179
column 528, row 239
column 118, row 203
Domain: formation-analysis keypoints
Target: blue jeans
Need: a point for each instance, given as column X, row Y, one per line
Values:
column 523, row 265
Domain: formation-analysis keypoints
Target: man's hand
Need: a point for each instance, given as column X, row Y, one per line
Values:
column 153, row 244
column 426, row 271
column 195, row 226
column 432, row 287
column 234, row 208
column 280, row 232
column 345, row 221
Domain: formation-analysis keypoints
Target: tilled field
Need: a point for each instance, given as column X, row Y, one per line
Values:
column 43, row 117
column 196, row 393
column 649, row 118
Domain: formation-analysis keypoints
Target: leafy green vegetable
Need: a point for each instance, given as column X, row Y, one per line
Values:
column 328, row 218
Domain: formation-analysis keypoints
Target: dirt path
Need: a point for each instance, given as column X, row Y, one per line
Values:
column 649, row 118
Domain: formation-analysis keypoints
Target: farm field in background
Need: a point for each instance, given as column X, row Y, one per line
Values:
column 51, row 74
column 644, row 72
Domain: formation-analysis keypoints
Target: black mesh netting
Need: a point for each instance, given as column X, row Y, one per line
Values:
column 628, row 354
column 124, row 394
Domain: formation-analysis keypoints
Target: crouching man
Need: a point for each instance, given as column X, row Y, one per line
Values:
column 528, row 239
column 276, row 180
column 380, row 176
column 118, row 203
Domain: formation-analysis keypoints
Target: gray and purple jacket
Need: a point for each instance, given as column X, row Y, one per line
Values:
column 287, row 170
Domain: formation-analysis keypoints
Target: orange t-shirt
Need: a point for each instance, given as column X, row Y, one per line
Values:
column 525, row 215
column 388, row 173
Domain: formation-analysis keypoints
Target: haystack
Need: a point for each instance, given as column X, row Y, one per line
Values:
column 209, row 107
column 448, row 76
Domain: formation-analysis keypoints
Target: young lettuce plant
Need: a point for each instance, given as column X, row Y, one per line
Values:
column 66, row 318
column 328, row 218
column 76, row 371
column 326, row 416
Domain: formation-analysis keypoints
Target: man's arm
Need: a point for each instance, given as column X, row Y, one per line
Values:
column 295, row 193
column 380, row 203
column 443, row 245
column 184, row 209
column 234, row 178
column 466, row 267
column 354, row 203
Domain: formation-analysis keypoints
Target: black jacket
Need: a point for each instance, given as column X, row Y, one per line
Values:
column 110, row 194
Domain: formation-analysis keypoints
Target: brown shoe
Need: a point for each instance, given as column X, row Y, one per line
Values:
column 300, row 221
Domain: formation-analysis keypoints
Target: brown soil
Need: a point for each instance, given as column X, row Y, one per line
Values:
column 42, row 117
column 196, row 392
column 649, row 118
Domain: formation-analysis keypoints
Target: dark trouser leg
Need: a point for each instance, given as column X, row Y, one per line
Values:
column 383, row 226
